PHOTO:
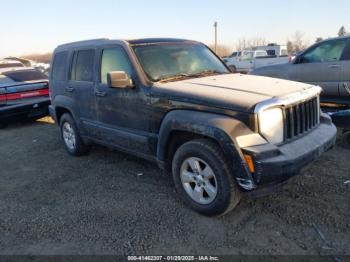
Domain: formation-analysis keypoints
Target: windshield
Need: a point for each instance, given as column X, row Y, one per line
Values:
column 169, row 62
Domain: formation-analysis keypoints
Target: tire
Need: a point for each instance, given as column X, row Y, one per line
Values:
column 71, row 137
column 208, row 154
column 233, row 69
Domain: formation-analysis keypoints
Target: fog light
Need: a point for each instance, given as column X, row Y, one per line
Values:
column 249, row 160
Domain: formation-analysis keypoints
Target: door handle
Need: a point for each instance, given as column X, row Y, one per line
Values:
column 69, row 89
column 100, row 93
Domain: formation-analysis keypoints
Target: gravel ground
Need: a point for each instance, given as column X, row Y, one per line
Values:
column 112, row 203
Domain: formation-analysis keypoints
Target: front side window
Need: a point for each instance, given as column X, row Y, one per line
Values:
column 173, row 61
column 114, row 59
column 326, row 52
column 83, row 64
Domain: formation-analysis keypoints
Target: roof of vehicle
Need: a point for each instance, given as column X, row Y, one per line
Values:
column 334, row 38
column 101, row 41
column 156, row 40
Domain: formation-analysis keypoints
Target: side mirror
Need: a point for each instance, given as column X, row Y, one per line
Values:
column 119, row 79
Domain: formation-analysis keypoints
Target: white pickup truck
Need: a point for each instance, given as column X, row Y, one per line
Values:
column 248, row 60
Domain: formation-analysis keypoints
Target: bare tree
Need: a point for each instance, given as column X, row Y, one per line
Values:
column 318, row 39
column 296, row 43
column 342, row 31
column 221, row 50
column 290, row 47
column 244, row 43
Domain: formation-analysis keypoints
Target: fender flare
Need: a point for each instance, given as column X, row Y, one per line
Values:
column 223, row 129
column 66, row 103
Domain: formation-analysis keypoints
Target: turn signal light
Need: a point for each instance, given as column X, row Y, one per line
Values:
column 249, row 160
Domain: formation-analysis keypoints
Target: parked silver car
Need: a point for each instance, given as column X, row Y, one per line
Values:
column 326, row 64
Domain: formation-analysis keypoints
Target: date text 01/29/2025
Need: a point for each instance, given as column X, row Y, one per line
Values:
column 173, row 258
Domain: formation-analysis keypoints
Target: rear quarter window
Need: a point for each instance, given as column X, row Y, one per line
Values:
column 59, row 67
column 27, row 75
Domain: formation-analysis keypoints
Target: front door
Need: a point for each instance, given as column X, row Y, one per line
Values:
column 123, row 113
column 321, row 66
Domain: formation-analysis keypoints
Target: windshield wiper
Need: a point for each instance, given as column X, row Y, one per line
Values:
column 173, row 77
column 184, row 75
column 207, row 73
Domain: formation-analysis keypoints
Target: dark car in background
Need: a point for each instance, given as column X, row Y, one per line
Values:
column 24, row 93
column 326, row 64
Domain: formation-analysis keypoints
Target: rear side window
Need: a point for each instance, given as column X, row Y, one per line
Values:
column 59, row 66
column 28, row 75
column 114, row 59
column 83, row 64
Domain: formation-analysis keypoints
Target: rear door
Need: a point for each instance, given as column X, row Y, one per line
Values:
column 321, row 65
column 344, row 87
column 81, row 86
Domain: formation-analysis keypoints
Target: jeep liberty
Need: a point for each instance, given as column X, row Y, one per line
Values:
column 176, row 103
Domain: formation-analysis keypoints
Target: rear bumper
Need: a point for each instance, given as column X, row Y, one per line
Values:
column 35, row 108
column 276, row 164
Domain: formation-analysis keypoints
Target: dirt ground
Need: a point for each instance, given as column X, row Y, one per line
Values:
column 112, row 203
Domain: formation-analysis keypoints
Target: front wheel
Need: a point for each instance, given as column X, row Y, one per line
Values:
column 203, row 179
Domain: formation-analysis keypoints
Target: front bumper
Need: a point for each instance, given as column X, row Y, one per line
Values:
column 30, row 109
column 275, row 164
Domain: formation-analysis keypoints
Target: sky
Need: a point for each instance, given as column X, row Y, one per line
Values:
column 38, row 26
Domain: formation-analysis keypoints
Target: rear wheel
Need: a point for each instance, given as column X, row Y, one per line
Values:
column 71, row 137
column 203, row 178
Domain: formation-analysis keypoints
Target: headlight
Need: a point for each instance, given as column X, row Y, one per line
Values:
column 271, row 125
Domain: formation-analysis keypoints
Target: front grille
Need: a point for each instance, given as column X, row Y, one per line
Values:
column 301, row 118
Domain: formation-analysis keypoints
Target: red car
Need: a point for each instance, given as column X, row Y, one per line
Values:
column 24, row 93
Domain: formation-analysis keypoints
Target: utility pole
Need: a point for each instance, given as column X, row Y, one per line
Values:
column 216, row 35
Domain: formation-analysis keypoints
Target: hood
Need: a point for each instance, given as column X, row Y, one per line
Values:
column 230, row 91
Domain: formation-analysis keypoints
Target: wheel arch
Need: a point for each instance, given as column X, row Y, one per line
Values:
column 64, row 104
column 180, row 126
